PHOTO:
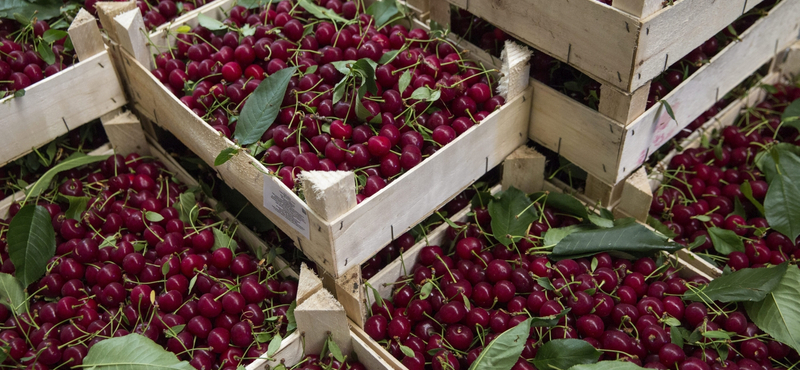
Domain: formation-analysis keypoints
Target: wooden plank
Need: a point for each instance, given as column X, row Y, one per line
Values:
column 700, row 91
column 308, row 284
column 107, row 10
column 621, row 106
column 350, row 293
column 636, row 195
column 85, row 35
column 595, row 38
column 440, row 12
column 379, row 357
column 673, row 32
column 290, row 352
column 320, row 317
column 73, row 97
column 125, row 133
column 412, row 197
column 639, row 8
column 130, row 30
column 588, row 139
column 243, row 173
column 524, row 170
column 597, row 190
column 329, row 193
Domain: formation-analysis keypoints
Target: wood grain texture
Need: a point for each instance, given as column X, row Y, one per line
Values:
column 130, row 30
column 85, row 35
column 676, row 30
column 290, row 352
column 639, row 8
column 320, row 317
column 73, row 97
column 585, row 137
column 329, row 193
column 636, row 195
column 308, row 284
column 350, row 293
column 607, row 195
column 595, row 38
column 107, row 10
column 621, row 106
column 524, row 170
column 412, row 197
column 125, row 133
column 700, row 91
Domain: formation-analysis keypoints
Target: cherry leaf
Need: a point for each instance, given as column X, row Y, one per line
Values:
column 504, row 351
column 12, row 294
column 565, row 353
column 274, row 345
column 261, row 108
column 725, row 241
column 778, row 314
column 512, row 213
column 132, row 352
column 749, row 284
column 31, row 242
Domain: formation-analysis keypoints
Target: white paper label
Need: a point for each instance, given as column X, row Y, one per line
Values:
column 280, row 201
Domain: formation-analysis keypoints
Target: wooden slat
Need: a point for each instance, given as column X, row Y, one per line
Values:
column 412, row 197
column 639, row 8
column 54, row 106
column 130, row 29
column 595, row 38
column 320, row 317
column 242, row 172
column 524, row 170
column 607, row 195
column 588, row 139
column 621, row 106
column 125, row 133
column 673, row 32
column 85, row 35
column 700, row 91
column 636, row 196
column 107, row 10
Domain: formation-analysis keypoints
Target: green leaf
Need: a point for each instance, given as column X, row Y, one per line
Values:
column 553, row 236
column 677, row 335
column 716, row 334
column 274, row 345
column 749, row 284
column 669, row 109
column 565, row 203
column 779, row 314
column 44, row 9
column 226, row 154
column 46, row 53
column 407, row 351
column 210, row 23
column 320, row 12
column 335, row 351
column 19, row 93
column 511, row 214
column 738, row 208
column 361, row 111
column 262, row 107
column 791, row 115
column 251, row 4
column 545, row 283
column 425, row 93
column 725, row 241
column 153, row 216
column 132, row 352
column 782, row 203
column 248, row 30
column 12, row 294
column 425, row 292
column 222, row 240
column 671, row 321
column 388, row 57
column 50, row 36
column 186, row 205
column 608, row 365
column 747, row 191
column 291, row 324
column 660, row 227
column 77, row 205
column 627, row 236
column 564, row 354
column 404, row 81
column 183, row 29
column 504, row 351
column 601, row 222
column 31, row 243
column 548, row 321
column 383, row 11
column 192, row 282
column 76, row 161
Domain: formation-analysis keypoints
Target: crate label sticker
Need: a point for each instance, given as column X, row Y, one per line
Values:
column 280, row 201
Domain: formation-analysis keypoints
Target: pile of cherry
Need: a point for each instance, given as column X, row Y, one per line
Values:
column 26, row 170
column 312, row 132
column 705, row 183
column 117, row 272
column 21, row 64
column 623, row 308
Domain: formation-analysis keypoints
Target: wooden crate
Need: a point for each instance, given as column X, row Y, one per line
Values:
column 624, row 46
column 524, row 169
column 319, row 315
column 612, row 143
column 337, row 235
column 55, row 105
